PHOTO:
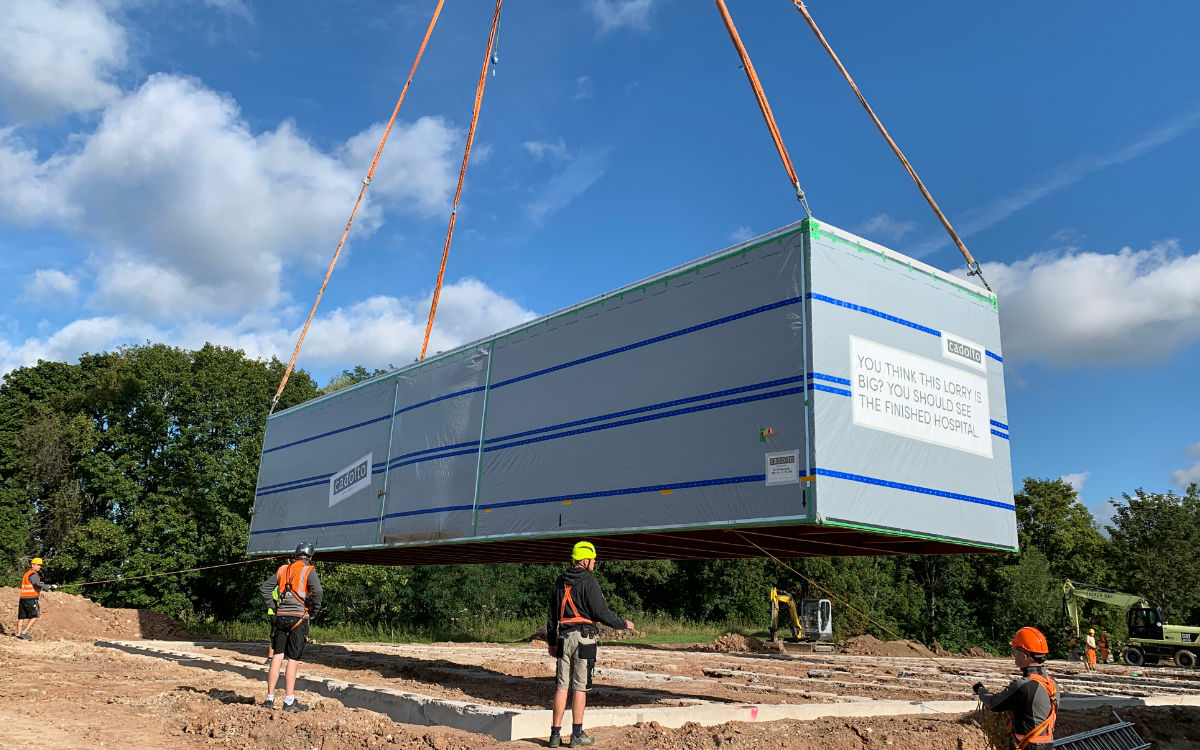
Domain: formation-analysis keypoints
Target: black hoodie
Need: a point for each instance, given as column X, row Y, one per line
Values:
column 585, row 592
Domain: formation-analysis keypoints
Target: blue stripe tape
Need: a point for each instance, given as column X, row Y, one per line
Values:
column 456, row 394
column 830, row 378
column 649, row 418
column 315, row 526
column 628, row 491
column 892, row 318
column 827, row 389
column 876, row 313
column 327, row 434
column 649, row 341
column 913, row 488
column 426, row 511
column 997, row 433
column 1001, row 425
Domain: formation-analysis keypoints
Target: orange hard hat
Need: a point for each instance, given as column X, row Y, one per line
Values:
column 1031, row 640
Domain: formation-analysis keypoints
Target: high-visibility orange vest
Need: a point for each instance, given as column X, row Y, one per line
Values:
column 293, row 578
column 575, row 618
column 27, row 589
column 1042, row 734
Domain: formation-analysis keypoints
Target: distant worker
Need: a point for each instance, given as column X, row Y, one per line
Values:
column 299, row 599
column 1032, row 698
column 1104, row 647
column 30, row 603
column 576, row 605
column 1089, row 653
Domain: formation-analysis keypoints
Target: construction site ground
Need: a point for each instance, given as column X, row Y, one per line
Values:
column 63, row 690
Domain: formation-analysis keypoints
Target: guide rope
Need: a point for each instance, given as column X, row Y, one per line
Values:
column 763, row 105
column 840, row 600
column 488, row 59
column 159, row 575
column 973, row 268
column 365, row 184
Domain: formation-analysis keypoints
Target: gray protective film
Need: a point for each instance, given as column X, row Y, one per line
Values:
column 905, row 437
column 435, row 449
column 645, row 411
column 306, row 447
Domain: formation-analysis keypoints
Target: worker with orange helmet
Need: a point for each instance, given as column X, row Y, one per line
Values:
column 1032, row 698
column 576, row 605
column 29, row 607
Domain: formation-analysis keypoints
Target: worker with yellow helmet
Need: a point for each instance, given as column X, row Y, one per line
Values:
column 576, row 605
column 1032, row 698
column 29, row 608
column 1089, row 654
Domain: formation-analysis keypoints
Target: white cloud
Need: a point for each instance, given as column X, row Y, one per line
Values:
column 58, row 57
column 1079, row 308
column 1188, row 474
column 583, row 88
column 883, row 228
column 50, row 286
column 741, row 234
column 377, row 332
column 614, row 14
column 199, row 213
column 1076, row 480
column 983, row 217
column 579, row 171
column 541, row 149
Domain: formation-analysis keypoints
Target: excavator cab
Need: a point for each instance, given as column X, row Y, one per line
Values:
column 812, row 620
column 1147, row 623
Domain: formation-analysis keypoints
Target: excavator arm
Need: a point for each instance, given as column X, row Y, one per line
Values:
column 1073, row 591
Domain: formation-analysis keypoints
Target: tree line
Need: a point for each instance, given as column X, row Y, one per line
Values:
column 144, row 460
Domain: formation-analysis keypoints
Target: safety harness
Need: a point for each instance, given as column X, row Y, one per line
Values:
column 293, row 579
column 1042, row 734
column 575, row 618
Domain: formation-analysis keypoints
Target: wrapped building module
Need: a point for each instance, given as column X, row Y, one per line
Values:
column 807, row 392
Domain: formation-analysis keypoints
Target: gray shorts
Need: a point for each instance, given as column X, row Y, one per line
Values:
column 573, row 661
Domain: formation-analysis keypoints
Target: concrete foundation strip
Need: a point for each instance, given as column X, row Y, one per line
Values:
column 509, row 723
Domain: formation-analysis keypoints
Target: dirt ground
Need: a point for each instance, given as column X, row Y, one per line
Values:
column 62, row 692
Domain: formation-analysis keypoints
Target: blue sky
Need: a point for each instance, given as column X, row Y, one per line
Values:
column 180, row 171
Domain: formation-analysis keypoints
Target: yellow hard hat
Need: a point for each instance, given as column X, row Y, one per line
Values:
column 36, row 561
column 1091, row 631
column 583, row 551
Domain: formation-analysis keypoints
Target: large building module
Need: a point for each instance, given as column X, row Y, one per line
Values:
column 804, row 393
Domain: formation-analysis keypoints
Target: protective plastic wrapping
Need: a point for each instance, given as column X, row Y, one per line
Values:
column 807, row 382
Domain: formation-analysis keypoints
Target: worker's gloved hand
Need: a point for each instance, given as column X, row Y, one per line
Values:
column 54, row 587
column 976, row 688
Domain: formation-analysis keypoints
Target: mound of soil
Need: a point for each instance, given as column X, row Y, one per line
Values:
column 869, row 645
column 977, row 653
column 70, row 617
column 606, row 634
column 736, row 643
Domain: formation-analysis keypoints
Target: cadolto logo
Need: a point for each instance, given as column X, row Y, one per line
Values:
column 354, row 474
column 964, row 351
column 779, row 460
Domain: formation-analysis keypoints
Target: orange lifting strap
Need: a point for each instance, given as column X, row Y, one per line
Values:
column 763, row 105
column 462, row 175
column 365, row 183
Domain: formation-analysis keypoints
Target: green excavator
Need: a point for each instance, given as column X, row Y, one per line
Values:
column 1151, row 639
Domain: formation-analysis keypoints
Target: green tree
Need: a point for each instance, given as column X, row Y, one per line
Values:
column 1156, row 545
column 1051, row 518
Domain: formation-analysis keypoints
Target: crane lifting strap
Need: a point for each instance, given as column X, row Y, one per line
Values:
column 462, row 174
column 365, row 183
column 763, row 105
column 973, row 268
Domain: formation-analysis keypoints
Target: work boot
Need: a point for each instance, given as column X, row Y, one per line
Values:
column 582, row 740
column 269, row 702
column 556, row 740
column 295, row 706
column 26, row 636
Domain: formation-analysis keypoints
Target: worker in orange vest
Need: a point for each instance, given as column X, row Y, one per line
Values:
column 31, row 592
column 300, row 594
column 1089, row 654
column 1032, row 698
column 576, row 605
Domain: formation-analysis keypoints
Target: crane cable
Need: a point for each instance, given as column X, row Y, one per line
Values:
column 973, row 268
column 365, row 184
column 763, row 105
column 159, row 575
column 488, row 59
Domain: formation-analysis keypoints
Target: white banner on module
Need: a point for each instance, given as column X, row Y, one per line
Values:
column 906, row 394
